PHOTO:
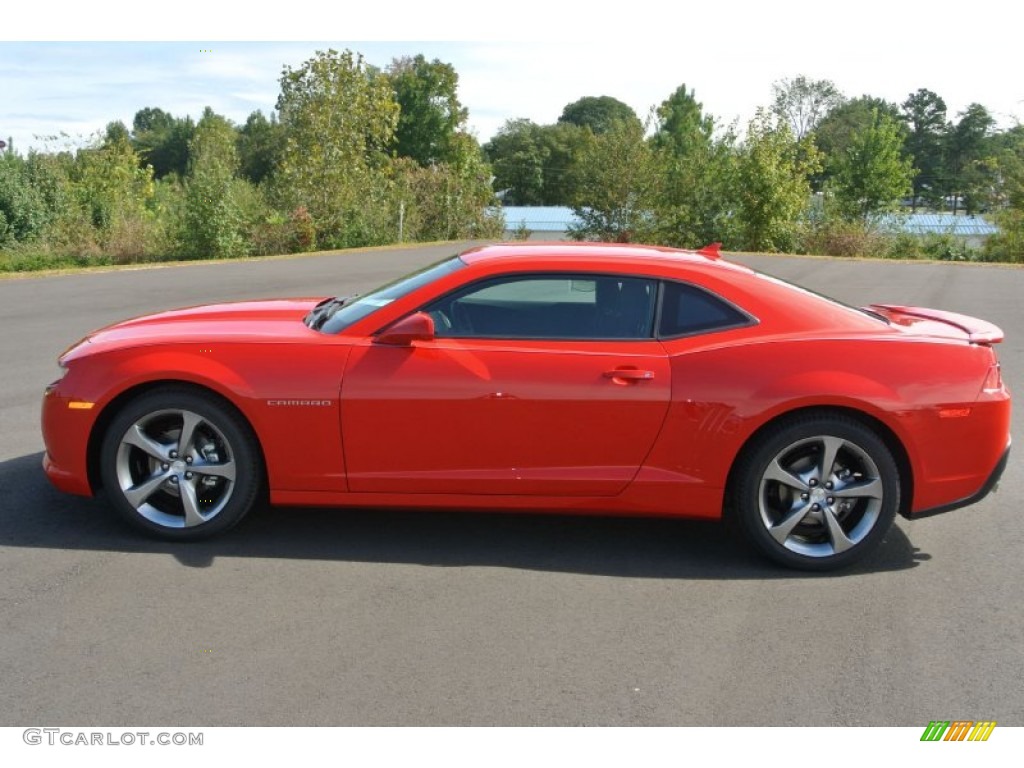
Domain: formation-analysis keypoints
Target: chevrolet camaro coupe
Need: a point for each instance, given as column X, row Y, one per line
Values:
column 573, row 378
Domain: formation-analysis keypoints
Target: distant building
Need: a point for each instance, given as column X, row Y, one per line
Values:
column 550, row 222
column 544, row 222
column 972, row 229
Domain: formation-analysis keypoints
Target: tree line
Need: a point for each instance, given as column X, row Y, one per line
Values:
column 354, row 155
column 813, row 172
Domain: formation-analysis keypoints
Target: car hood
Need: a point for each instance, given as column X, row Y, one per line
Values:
column 264, row 320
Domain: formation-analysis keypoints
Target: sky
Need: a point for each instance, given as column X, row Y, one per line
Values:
column 85, row 65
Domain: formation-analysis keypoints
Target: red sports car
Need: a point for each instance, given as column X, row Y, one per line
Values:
column 600, row 379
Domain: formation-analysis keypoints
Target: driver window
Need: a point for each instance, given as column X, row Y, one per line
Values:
column 549, row 307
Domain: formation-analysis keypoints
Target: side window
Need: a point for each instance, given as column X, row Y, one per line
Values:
column 549, row 307
column 686, row 309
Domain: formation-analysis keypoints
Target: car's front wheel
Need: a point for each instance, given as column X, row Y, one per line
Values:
column 817, row 492
column 180, row 464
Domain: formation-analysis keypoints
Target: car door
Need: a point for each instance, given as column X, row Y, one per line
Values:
column 534, row 385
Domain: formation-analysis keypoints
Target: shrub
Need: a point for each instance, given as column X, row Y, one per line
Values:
column 831, row 236
column 1008, row 245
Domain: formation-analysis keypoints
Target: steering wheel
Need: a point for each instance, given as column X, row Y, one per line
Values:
column 460, row 318
column 442, row 323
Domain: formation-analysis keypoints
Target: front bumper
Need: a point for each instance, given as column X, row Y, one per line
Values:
column 66, row 428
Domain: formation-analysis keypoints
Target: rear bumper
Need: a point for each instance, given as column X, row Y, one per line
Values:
column 987, row 487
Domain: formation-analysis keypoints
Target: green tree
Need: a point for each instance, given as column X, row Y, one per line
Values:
column 260, row 144
column 682, row 125
column 773, row 190
column 871, row 175
column 103, row 200
column 1008, row 199
column 802, row 103
column 50, row 176
column 970, row 161
column 23, row 211
column 213, row 213
column 430, row 113
column 109, row 182
column 338, row 122
column 695, row 203
column 598, row 113
column 518, row 156
column 447, row 201
column 116, row 133
column 924, row 113
column 561, row 145
column 162, row 140
column 835, row 133
column 1009, row 159
column 619, row 186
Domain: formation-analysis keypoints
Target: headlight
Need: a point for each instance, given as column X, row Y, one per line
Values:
column 62, row 369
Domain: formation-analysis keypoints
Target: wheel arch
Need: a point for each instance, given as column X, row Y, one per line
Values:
column 879, row 427
column 114, row 406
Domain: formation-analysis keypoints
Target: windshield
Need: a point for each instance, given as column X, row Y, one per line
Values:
column 337, row 315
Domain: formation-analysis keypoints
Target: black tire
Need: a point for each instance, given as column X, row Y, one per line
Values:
column 803, row 516
column 175, row 490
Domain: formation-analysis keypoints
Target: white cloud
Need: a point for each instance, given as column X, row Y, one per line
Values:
column 638, row 52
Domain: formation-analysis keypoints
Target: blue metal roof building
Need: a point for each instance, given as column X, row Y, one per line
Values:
column 538, row 218
column 939, row 224
column 555, row 220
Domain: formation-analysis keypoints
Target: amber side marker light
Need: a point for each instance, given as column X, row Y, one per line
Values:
column 79, row 405
column 954, row 413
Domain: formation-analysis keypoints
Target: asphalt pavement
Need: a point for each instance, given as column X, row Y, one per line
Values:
column 357, row 617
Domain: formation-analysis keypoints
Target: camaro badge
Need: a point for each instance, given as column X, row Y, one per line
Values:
column 300, row 402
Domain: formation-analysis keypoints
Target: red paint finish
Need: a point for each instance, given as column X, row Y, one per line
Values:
column 494, row 417
column 647, row 426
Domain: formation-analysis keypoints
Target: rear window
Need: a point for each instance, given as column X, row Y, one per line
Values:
column 686, row 309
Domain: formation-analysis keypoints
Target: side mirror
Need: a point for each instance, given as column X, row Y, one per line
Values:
column 417, row 327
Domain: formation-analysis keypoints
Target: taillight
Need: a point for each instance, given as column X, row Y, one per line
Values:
column 994, row 379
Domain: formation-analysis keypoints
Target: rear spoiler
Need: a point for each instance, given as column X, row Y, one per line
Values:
column 978, row 331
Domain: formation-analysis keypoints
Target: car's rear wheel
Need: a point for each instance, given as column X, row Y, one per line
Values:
column 180, row 464
column 817, row 492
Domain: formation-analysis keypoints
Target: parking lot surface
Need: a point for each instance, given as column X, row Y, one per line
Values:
column 355, row 617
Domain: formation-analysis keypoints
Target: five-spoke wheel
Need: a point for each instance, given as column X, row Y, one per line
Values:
column 817, row 492
column 180, row 464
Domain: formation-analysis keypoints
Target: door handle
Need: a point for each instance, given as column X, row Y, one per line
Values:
column 629, row 374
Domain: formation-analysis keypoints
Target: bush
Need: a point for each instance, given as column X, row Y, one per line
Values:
column 947, row 247
column 23, row 211
column 1008, row 245
column 128, row 239
column 903, row 245
column 277, row 234
column 521, row 232
column 31, row 257
column 838, row 237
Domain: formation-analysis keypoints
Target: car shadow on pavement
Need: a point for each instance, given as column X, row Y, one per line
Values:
column 34, row 514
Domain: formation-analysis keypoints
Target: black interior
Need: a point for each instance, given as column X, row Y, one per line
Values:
column 618, row 308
